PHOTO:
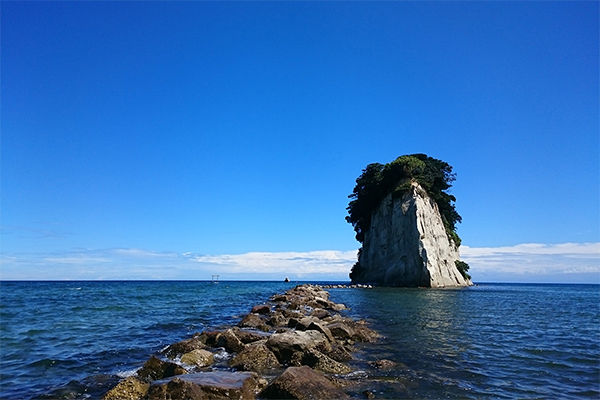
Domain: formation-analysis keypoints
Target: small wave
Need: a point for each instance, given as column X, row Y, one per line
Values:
column 127, row 373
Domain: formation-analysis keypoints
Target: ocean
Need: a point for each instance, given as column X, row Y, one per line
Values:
column 73, row 340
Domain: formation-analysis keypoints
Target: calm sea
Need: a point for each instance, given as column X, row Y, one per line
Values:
column 74, row 339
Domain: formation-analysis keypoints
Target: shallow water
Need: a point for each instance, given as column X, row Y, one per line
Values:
column 74, row 339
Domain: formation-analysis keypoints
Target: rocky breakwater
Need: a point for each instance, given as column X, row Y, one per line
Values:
column 296, row 346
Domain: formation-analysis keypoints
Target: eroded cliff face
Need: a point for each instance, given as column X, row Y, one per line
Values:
column 407, row 245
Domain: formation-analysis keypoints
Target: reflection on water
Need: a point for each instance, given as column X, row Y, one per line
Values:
column 525, row 341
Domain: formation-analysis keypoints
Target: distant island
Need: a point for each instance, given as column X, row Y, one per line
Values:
column 406, row 220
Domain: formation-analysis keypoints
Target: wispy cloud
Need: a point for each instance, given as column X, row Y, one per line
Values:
column 525, row 262
column 534, row 259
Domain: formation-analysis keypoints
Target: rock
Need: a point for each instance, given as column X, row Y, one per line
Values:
column 305, row 322
column 319, row 361
column 278, row 320
column 286, row 280
column 249, row 337
column 340, row 353
column 320, row 313
column 230, row 341
column 407, row 245
column 199, row 358
column 382, row 364
column 211, row 337
column 206, row 385
column 255, row 358
column 302, row 383
column 287, row 343
column 364, row 334
column 279, row 298
column 129, row 388
column 156, row 368
column 341, row 330
column 318, row 326
column 185, row 346
column 253, row 321
column 261, row 309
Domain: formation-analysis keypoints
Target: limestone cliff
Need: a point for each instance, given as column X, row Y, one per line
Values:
column 407, row 245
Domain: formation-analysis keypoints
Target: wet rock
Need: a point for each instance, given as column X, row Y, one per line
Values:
column 319, row 361
column 340, row 353
column 211, row 337
column 199, row 358
column 230, row 341
column 255, row 358
column 318, row 326
column 382, row 364
column 364, row 334
column 278, row 320
column 320, row 313
column 341, row 330
column 197, row 342
column 206, row 385
column 129, row 388
column 253, row 321
column 302, row 383
column 279, row 298
column 287, row 343
column 156, row 368
column 249, row 337
column 305, row 322
column 261, row 309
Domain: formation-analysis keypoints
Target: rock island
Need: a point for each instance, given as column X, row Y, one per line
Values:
column 406, row 221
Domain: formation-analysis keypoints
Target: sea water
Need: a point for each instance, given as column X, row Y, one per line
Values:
column 76, row 339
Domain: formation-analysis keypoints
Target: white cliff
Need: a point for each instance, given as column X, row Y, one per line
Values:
column 407, row 245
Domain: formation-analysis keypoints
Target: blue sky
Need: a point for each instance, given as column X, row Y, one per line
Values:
column 173, row 140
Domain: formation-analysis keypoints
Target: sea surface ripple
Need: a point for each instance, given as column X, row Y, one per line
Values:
column 75, row 339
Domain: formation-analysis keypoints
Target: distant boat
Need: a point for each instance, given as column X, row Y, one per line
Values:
column 286, row 279
column 215, row 279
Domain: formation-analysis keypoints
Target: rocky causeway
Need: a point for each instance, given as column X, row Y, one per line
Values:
column 295, row 346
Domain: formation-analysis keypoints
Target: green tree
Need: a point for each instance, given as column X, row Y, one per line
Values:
column 378, row 180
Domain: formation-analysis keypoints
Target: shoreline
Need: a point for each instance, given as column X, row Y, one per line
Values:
column 295, row 345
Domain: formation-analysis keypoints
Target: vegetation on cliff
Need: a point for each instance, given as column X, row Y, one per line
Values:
column 378, row 180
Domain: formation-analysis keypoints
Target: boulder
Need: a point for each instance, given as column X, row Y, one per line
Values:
column 198, row 357
column 261, row 309
column 319, row 361
column 305, row 322
column 248, row 336
column 318, row 326
column 255, row 358
column 284, row 345
column 206, row 385
column 230, row 341
column 156, row 368
column 129, row 388
column 302, row 383
column 278, row 320
column 340, row 353
column 340, row 330
column 320, row 313
column 253, row 321
column 198, row 341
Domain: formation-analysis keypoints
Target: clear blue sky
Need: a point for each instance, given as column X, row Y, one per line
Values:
column 174, row 131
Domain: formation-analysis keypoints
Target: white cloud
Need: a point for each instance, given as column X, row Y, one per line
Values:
column 300, row 264
column 528, row 262
column 533, row 259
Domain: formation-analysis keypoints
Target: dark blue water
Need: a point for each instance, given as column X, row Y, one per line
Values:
column 489, row 341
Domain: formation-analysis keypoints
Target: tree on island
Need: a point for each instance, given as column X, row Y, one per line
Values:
column 379, row 180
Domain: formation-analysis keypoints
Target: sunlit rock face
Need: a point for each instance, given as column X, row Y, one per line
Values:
column 407, row 245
